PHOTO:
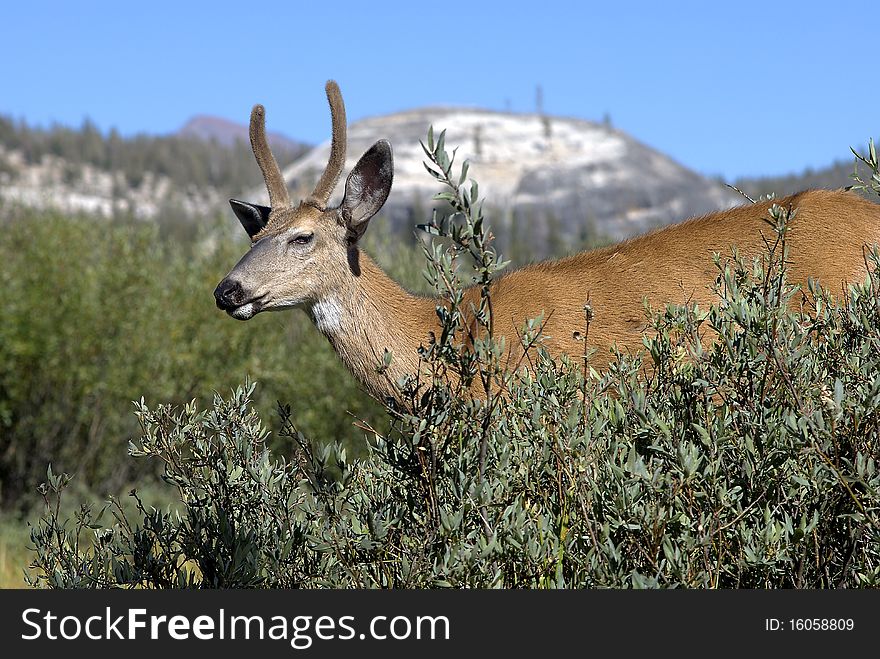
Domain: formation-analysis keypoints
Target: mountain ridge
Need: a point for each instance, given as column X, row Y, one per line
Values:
column 552, row 184
column 226, row 132
column 550, row 174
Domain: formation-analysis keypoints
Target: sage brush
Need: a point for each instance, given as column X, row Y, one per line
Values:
column 738, row 449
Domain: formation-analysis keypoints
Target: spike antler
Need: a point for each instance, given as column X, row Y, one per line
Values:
column 278, row 196
column 331, row 174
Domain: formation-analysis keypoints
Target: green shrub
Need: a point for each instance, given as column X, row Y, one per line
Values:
column 747, row 462
column 97, row 314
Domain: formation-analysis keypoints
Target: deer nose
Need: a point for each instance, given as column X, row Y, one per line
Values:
column 226, row 294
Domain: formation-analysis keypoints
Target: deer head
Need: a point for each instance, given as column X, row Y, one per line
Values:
column 301, row 253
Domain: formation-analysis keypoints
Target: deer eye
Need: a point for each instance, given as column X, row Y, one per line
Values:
column 302, row 239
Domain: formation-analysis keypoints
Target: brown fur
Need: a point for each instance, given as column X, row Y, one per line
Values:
column 363, row 312
column 674, row 265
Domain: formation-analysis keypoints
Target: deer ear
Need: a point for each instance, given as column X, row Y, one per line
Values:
column 252, row 217
column 367, row 187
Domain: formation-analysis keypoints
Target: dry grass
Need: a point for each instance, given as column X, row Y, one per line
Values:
column 14, row 556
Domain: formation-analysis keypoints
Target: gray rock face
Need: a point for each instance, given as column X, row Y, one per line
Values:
column 533, row 169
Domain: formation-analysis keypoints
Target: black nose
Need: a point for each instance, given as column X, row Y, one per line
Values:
column 228, row 294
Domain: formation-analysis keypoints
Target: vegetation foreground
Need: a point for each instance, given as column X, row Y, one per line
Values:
column 739, row 449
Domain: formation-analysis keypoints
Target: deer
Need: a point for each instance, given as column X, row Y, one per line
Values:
column 308, row 255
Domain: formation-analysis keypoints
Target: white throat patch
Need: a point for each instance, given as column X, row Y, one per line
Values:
column 327, row 315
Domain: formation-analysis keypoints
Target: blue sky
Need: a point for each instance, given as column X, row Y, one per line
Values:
column 744, row 88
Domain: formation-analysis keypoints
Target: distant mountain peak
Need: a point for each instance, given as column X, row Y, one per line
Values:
column 225, row 131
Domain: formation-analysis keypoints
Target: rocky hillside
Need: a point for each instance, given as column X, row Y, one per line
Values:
column 56, row 183
column 543, row 174
column 167, row 177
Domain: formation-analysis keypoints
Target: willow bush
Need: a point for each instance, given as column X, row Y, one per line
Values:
column 99, row 313
column 739, row 449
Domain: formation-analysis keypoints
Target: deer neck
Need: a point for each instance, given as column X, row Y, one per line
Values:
column 368, row 313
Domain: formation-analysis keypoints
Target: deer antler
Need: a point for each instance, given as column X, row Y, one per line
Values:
column 331, row 174
column 278, row 196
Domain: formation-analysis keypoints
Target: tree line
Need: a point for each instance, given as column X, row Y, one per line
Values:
column 188, row 161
